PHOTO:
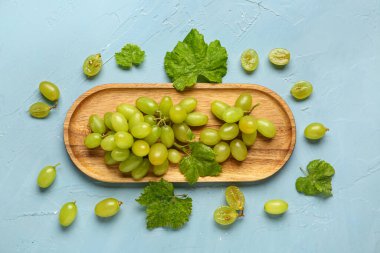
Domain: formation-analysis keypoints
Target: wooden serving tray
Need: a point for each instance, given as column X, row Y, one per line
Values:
column 264, row 159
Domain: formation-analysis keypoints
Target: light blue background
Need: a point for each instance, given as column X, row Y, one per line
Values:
column 334, row 44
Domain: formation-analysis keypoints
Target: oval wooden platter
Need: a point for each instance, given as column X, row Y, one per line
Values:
column 264, row 159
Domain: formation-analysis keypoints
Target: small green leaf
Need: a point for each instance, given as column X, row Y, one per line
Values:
column 130, row 54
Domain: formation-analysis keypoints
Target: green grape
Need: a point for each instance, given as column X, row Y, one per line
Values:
column 165, row 105
column 279, row 57
column 301, row 90
column 228, row 131
column 174, row 156
column 182, row 132
column 315, row 131
column 158, row 154
column 39, row 110
column 225, row 215
column 154, row 135
column 119, row 122
column 109, row 133
column 93, row 140
column 141, row 170
column 150, row 119
column 235, row 198
column 189, row 104
column 123, row 140
column 177, row 114
column 107, row 120
column 67, row 214
column 196, row 119
column 147, row 105
column 135, row 119
column 127, row 110
column 249, row 139
column 107, row 207
column 249, row 60
column 108, row 159
column 47, row 176
column 238, row 150
column 248, row 124
column 218, row 108
column 222, row 151
column 108, row 143
column 92, row 65
column 140, row 148
column 244, row 101
column 141, row 130
column 167, row 136
column 119, row 154
column 96, row 124
column 266, row 128
column 161, row 169
column 131, row 163
column 276, row 207
column 209, row 136
column 49, row 90
column 233, row 114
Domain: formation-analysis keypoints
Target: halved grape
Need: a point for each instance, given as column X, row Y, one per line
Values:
column 279, row 57
column 189, row 104
column 108, row 143
column 196, row 119
column 315, row 131
column 49, row 90
column 218, row 108
column 96, row 124
column 225, row 215
column 209, row 136
column 233, row 114
column 238, row 150
column 266, row 128
column 161, row 169
column 174, row 156
column 92, row 65
column 301, row 90
column 248, row 124
column 93, row 140
column 158, row 154
column 182, row 132
column 140, row 148
column 107, row 207
column 228, row 131
column 119, row 122
column 47, row 176
column 119, row 154
column 167, row 136
column 141, row 130
column 276, row 206
column 177, row 114
column 123, row 140
column 222, row 151
column 141, row 170
column 244, row 101
column 235, row 198
column 67, row 214
column 131, row 163
column 249, row 139
column 39, row 110
column 147, row 105
column 249, row 60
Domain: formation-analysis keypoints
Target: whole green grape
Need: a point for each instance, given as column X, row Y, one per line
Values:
column 266, row 128
column 158, row 154
column 161, row 169
column 107, row 207
column 196, row 119
column 123, row 140
column 177, row 114
column 67, row 214
column 301, row 90
column 276, row 207
column 119, row 122
column 131, row 163
column 108, row 143
column 233, row 114
column 39, row 110
column 135, row 119
column 182, row 132
column 150, row 119
column 244, row 101
column 107, row 120
column 165, row 105
column 218, row 108
column 96, row 124
column 47, row 176
column 238, row 150
column 249, row 60
column 248, row 124
column 119, row 154
column 147, row 105
column 228, row 131
column 93, row 140
column 249, row 139
column 108, row 160
column 225, row 215
column 222, row 151
column 127, row 110
column 140, row 148
column 141, row 170
column 235, row 198
column 167, row 136
column 154, row 135
column 315, row 131
column 209, row 136
column 141, row 130
column 174, row 156
column 49, row 90
column 189, row 104
column 279, row 57
column 92, row 65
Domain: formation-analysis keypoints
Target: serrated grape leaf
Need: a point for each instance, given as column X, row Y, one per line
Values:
column 155, row 192
column 193, row 58
column 130, row 54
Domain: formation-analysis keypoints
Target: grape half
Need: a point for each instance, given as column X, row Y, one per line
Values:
column 249, row 60
column 279, row 57
column 92, row 65
column 301, row 90
column 235, row 198
column 225, row 215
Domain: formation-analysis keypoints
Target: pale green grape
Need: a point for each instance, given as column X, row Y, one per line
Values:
column 248, row 124
column 127, row 110
column 47, row 176
column 249, row 60
column 174, row 156
column 135, row 119
column 279, row 57
column 49, row 90
column 130, row 164
column 158, row 154
column 225, row 215
column 39, row 110
column 235, row 198
column 228, row 131
column 141, row 170
column 93, row 140
column 150, row 119
column 123, row 140
column 301, row 90
column 167, row 136
column 140, row 148
column 315, row 131
column 154, row 135
column 107, row 207
column 108, row 159
column 67, row 214
column 244, row 101
column 96, row 124
column 92, row 65
column 232, row 114
column 177, row 114
column 182, row 132
column 266, row 128
column 119, row 122
column 218, row 108
column 107, row 120
column 209, row 136
column 276, row 206
column 119, row 154
column 108, row 143
column 141, row 130
column 249, row 139
column 196, row 119
column 161, row 169
column 189, row 104
column 147, row 105
column 165, row 105
column 238, row 150
column 222, row 151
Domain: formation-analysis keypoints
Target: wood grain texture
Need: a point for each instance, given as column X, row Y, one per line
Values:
column 264, row 159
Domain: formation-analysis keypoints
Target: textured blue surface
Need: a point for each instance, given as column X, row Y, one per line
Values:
column 334, row 44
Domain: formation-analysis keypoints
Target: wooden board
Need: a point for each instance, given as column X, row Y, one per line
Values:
column 264, row 159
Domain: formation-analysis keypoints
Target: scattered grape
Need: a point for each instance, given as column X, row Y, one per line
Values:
column 107, row 207
column 49, row 90
column 276, row 207
column 67, row 214
column 225, row 215
column 47, row 176
column 279, row 57
column 40, row 110
column 235, row 198
column 315, row 131
column 92, row 65
column 301, row 90
column 249, row 60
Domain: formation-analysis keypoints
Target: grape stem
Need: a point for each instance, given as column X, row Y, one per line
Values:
column 55, row 166
column 182, row 148
column 304, row 172
column 241, row 213
column 54, row 106
column 253, row 107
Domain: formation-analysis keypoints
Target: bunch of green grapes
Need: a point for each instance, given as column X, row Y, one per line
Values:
column 239, row 130
column 141, row 136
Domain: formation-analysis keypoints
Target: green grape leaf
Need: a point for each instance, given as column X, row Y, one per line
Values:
column 318, row 179
column 193, row 58
column 199, row 163
column 163, row 208
column 130, row 54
